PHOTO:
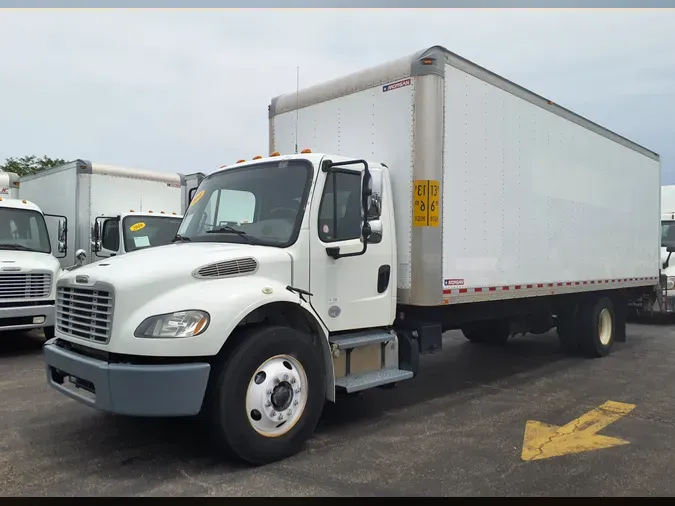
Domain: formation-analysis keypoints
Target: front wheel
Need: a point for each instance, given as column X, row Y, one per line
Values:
column 269, row 395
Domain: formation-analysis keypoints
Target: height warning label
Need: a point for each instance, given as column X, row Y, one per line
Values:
column 426, row 203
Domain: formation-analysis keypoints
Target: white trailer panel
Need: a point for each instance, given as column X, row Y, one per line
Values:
column 536, row 200
column 531, row 197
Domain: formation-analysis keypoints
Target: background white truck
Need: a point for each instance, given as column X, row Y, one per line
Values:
column 28, row 267
column 9, row 185
column 664, row 304
column 112, row 210
column 451, row 198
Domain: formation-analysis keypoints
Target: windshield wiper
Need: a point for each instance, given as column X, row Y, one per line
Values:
column 180, row 238
column 15, row 246
column 229, row 230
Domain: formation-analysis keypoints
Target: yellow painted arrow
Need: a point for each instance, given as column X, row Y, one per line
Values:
column 543, row 441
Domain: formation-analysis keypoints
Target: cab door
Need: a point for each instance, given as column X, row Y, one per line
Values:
column 349, row 292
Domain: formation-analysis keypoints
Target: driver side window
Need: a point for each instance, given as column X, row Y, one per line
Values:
column 110, row 235
column 340, row 216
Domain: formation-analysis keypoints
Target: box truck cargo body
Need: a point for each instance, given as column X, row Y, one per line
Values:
column 112, row 210
column 441, row 197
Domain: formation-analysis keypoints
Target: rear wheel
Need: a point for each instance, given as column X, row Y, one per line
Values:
column 268, row 395
column 495, row 332
column 589, row 329
column 597, row 326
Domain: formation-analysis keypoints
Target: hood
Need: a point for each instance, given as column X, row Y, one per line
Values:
column 28, row 261
column 165, row 267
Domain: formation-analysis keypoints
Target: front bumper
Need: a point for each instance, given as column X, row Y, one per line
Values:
column 21, row 317
column 127, row 389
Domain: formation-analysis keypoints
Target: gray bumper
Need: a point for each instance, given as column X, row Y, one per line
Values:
column 21, row 317
column 125, row 389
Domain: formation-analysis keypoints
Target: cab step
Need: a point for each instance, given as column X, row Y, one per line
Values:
column 372, row 379
column 363, row 338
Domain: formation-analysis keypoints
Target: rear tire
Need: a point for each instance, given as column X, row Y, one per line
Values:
column 589, row 329
column 494, row 332
column 273, row 372
column 597, row 327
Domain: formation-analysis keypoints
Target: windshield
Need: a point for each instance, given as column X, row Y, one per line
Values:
column 146, row 231
column 23, row 229
column 667, row 233
column 257, row 204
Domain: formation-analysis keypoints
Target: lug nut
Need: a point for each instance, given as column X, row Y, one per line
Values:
column 295, row 402
column 268, row 404
column 290, row 412
column 297, row 390
column 274, row 413
column 293, row 381
column 281, row 416
column 269, row 391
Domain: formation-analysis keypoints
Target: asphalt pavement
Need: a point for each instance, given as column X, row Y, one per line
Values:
column 595, row 428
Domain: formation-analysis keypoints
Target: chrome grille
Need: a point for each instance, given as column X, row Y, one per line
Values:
column 21, row 285
column 85, row 313
column 228, row 268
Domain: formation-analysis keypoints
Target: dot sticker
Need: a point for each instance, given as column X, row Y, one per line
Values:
column 137, row 226
column 326, row 229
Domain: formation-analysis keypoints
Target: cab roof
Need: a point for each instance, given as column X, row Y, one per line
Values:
column 19, row 204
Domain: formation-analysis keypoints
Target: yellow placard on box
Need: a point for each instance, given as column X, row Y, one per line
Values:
column 137, row 226
column 426, row 203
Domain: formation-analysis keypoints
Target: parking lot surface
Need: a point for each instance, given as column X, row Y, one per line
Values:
column 456, row 429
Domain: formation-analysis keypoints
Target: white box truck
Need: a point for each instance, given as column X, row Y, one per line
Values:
column 448, row 198
column 9, row 185
column 28, row 265
column 113, row 210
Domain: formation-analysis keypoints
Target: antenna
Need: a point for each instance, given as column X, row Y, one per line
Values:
column 297, row 106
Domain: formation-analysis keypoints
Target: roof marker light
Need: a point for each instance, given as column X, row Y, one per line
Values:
column 306, row 151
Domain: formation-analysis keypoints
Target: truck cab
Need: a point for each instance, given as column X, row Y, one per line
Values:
column 127, row 232
column 28, row 266
column 271, row 254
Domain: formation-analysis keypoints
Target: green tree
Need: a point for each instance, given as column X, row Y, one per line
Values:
column 28, row 165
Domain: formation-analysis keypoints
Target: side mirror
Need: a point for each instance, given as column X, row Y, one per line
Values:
column 375, row 235
column 80, row 256
column 61, row 247
column 670, row 249
column 61, row 233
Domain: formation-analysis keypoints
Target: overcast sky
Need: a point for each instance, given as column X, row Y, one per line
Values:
column 188, row 90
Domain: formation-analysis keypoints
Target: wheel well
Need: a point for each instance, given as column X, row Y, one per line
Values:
column 287, row 314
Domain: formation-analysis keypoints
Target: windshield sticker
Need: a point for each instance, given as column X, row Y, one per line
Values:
column 142, row 241
column 137, row 226
column 197, row 197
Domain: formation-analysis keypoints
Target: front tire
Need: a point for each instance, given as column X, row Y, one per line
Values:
column 269, row 395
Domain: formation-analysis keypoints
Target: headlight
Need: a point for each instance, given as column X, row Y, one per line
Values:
column 670, row 283
column 180, row 324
